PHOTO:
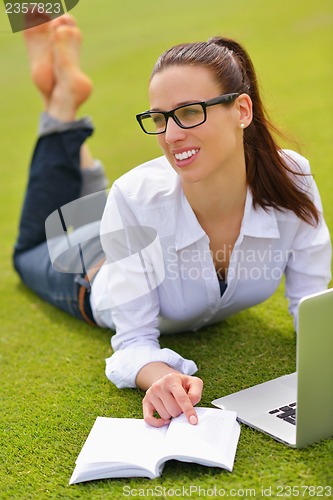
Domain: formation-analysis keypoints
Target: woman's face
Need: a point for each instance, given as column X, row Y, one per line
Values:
column 212, row 147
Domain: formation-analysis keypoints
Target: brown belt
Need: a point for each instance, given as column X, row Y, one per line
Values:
column 85, row 287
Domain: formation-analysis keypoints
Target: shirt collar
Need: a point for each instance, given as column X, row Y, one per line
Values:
column 188, row 229
column 257, row 222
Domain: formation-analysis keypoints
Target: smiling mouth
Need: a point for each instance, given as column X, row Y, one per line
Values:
column 186, row 154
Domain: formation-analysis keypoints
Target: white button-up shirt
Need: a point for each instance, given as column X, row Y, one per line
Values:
column 160, row 277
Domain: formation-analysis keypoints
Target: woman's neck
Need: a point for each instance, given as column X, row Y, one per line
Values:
column 220, row 198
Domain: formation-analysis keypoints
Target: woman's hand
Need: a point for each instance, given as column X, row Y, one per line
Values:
column 171, row 395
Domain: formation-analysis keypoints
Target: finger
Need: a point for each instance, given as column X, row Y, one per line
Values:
column 194, row 390
column 185, row 403
column 158, row 403
column 161, row 397
column 148, row 415
column 170, row 404
column 167, row 399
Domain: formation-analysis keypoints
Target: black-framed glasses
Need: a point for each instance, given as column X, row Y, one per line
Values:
column 186, row 116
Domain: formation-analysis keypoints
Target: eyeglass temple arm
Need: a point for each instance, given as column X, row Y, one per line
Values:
column 226, row 98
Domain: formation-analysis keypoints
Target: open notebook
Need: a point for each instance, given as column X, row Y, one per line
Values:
column 127, row 447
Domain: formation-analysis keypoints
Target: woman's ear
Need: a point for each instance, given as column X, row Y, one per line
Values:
column 244, row 107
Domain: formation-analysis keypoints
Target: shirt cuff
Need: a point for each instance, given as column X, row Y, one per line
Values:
column 123, row 366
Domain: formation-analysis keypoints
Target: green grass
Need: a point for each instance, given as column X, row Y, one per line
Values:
column 52, row 367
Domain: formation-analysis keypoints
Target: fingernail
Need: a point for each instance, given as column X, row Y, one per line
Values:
column 193, row 419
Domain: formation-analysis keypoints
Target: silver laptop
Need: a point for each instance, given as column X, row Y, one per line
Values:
column 296, row 409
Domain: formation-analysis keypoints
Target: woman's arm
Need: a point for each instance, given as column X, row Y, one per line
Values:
column 137, row 358
column 309, row 266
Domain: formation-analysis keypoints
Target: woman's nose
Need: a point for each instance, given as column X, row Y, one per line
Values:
column 174, row 132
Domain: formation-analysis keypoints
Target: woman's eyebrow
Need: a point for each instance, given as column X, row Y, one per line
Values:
column 183, row 103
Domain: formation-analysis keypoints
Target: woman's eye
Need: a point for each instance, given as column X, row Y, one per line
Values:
column 191, row 111
column 158, row 119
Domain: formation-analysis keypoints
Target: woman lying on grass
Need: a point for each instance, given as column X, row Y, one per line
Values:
column 201, row 233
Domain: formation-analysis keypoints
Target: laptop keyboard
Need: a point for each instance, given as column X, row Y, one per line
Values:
column 286, row 413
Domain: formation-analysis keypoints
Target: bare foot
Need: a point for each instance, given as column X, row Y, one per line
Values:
column 40, row 52
column 38, row 38
column 72, row 86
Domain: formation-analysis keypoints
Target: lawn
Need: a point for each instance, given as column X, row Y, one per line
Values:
column 52, row 366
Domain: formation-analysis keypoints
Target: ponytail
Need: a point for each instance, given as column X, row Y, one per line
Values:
column 273, row 183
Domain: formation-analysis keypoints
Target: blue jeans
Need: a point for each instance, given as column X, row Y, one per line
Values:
column 55, row 179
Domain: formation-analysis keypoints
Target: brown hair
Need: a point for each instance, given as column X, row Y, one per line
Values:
column 268, row 175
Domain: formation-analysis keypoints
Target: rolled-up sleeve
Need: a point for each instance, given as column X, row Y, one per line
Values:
column 123, row 366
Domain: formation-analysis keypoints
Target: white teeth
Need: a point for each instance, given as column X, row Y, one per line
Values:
column 186, row 154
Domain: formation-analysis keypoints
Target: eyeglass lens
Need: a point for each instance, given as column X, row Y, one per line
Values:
column 186, row 116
